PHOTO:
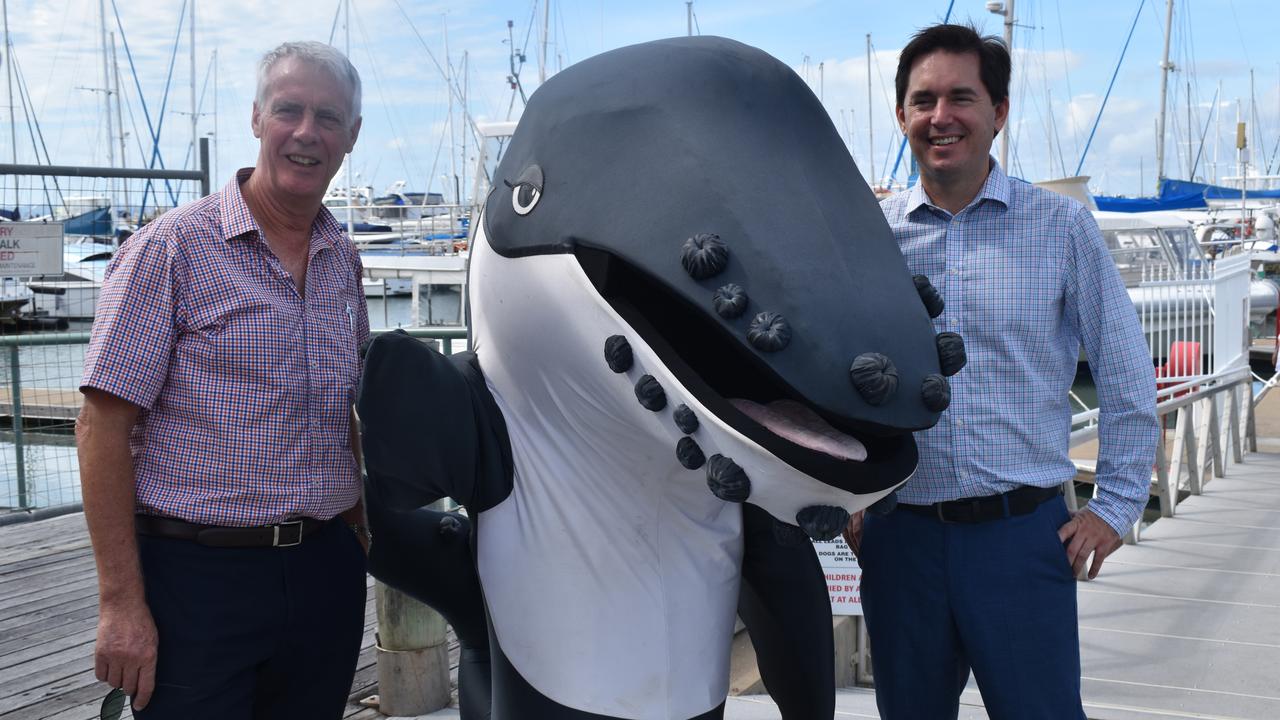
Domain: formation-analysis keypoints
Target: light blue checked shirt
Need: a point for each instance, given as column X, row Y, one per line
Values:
column 1027, row 281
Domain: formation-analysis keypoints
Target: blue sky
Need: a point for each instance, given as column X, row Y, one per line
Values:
column 1066, row 52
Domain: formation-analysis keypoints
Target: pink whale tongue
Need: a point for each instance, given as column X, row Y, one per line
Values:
column 793, row 421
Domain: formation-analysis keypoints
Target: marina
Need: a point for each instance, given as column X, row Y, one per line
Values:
column 1184, row 620
column 1183, row 624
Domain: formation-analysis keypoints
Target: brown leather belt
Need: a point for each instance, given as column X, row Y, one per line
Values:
column 983, row 509
column 285, row 534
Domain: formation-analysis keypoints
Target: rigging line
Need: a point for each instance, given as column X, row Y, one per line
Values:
column 453, row 88
column 204, row 90
column 333, row 29
column 1203, row 133
column 1240, row 33
column 903, row 145
column 1111, row 85
column 164, row 103
column 562, row 39
column 124, row 41
column 1071, row 96
column 889, row 103
column 33, row 128
column 57, row 50
column 386, row 106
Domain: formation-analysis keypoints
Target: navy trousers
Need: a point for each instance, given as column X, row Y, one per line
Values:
column 997, row 598
column 255, row 632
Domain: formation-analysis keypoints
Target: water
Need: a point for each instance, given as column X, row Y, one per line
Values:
column 51, row 470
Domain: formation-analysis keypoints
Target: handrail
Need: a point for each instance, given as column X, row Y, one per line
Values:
column 82, row 337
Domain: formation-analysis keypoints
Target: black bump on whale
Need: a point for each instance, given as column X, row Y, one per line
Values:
column 617, row 353
column 715, row 128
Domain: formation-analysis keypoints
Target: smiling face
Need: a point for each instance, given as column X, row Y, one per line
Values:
column 305, row 127
column 950, row 120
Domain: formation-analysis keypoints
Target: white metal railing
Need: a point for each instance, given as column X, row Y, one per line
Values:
column 1189, row 313
column 1201, row 438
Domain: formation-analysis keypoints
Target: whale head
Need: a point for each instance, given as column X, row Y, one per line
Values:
column 694, row 195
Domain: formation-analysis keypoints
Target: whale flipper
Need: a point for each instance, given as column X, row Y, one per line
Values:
column 785, row 606
column 412, row 397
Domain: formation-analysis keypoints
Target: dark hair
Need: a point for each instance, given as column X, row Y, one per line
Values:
column 993, row 56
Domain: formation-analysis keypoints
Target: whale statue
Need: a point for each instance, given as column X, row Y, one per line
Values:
column 695, row 346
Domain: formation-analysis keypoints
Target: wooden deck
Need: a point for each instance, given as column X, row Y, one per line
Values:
column 48, row 620
column 43, row 403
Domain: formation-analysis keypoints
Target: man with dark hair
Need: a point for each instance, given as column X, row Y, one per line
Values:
column 217, row 439
column 975, row 569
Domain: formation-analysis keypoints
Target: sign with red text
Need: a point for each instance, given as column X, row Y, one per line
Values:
column 844, row 577
column 30, row 248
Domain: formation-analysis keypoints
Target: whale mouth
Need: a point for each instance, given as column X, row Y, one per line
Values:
column 739, row 387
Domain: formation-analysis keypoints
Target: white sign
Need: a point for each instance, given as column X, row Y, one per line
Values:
column 844, row 576
column 30, row 248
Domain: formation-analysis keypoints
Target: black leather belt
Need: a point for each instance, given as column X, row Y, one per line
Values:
column 983, row 509
column 285, row 534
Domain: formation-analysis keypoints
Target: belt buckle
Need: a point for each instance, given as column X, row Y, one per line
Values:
column 297, row 538
column 942, row 517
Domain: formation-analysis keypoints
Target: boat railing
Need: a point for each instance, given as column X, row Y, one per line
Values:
column 40, row 377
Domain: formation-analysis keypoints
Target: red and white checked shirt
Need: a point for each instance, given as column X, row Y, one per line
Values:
column 245, row 385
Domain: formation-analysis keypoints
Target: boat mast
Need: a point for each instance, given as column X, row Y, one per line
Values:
column 106, row 82
column 217, row 178
column 996, row 7
column 871, row 125
column 546, row 22
column 688, row 14
column 115, row 73
column 1217, row 132
column 195, row 136
column 1008, row 43
column 1165, row 67
column 8, row 67
column 351, row 200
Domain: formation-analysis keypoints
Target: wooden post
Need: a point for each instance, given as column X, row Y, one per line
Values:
column 413, row 657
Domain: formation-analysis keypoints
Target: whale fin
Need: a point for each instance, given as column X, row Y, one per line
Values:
column 787, row 611
column 413, row 397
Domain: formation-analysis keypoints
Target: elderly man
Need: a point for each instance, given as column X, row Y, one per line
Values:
column 975, row 568
column 216, row 443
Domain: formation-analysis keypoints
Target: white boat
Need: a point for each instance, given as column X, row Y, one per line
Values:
column 1167, row 276
column 74, row 294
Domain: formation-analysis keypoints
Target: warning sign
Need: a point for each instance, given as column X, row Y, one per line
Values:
column 844, row 577
column 30, row 248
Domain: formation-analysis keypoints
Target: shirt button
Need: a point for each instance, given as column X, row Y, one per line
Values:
column 955, row 271
column 959, row 423
column 955, row 321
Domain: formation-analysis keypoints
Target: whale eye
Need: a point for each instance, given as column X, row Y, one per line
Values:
column 526, row 190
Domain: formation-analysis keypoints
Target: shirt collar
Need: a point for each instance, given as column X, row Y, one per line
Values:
column 995, row 188
column 238, row 221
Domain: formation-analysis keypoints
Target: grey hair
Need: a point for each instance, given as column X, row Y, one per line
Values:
column 324, row 56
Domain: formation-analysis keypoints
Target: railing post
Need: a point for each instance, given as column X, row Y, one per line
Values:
column 1232, row 429
column 1163, row 490
column 206, row 180
column 1184, row 448
column 15, row 399
column 1250, row 425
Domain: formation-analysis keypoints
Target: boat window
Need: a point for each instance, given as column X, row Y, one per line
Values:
column 1134, row 250
column 1186, row 252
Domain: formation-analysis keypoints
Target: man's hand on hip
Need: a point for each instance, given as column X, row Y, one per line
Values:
column 125, row 655
column 1086, row 533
